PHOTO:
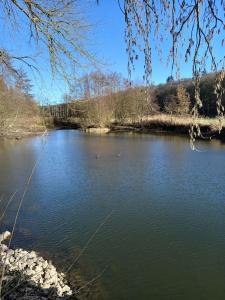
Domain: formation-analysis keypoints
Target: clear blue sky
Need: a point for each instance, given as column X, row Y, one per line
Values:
column 106, row 40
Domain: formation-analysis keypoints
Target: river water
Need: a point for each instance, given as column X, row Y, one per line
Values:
column 146, row 213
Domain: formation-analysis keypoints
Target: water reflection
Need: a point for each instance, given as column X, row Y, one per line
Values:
column 165, row 239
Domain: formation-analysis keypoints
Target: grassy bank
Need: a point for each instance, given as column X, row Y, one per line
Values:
column 173, row 120
column 171, row 124
column 156, row 122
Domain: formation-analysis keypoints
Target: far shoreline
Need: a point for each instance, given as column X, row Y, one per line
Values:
column 156, row 124
column 165, row 124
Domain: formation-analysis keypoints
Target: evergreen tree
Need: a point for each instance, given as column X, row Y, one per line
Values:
column 170, row 79
column 183, row 100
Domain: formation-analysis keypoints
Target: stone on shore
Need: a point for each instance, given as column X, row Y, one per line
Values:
column 41, row 277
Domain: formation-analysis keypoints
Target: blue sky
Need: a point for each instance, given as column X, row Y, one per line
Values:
column 110, row 44
column 106, row 40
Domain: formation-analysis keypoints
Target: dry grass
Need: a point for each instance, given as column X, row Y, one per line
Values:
column 24, row 126
column 180, row 120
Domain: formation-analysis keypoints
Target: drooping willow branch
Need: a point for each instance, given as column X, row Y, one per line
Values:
column 196, row 28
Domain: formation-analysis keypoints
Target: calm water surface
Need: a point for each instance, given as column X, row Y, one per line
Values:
column 165, row 238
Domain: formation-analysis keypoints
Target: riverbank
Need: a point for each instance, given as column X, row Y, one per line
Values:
column 175, row 125
column 29, row 276
column 22, row 127
column 158, row 123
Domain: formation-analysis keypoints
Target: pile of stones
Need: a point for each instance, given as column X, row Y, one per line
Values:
column 29, row 276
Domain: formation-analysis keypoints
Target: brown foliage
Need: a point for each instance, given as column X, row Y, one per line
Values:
column 17, row 109
column 107, row 98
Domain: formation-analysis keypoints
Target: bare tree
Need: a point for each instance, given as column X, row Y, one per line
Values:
column 56, row 26
column 23, row 83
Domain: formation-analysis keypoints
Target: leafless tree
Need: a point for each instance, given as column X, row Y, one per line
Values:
column 56, row 26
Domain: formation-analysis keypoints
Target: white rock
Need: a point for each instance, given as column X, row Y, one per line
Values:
column 4, row 247
column 10, row 252
column 39, row 271
column 5, row 235
column 11, row 259
column 46, row 286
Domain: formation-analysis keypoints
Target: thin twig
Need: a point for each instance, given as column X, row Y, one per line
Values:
column 89, row 241
column 7, row 205
column 91, row 281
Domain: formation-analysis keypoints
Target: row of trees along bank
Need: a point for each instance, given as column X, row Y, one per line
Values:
column 106, row 98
